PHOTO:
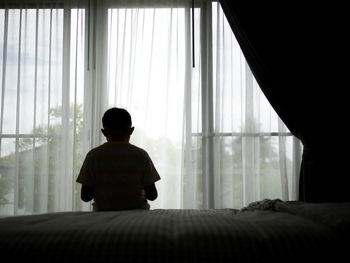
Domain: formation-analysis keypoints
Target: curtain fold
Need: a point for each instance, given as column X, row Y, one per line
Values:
column 295, row 53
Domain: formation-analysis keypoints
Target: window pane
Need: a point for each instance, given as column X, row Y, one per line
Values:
column 145, row 66
column 7, row 177
column 27, row 67
column 231, row 171
column 266, row 168
column 26, row 176
column 193, row 174
column 10, row 93
column 50, row 133
column 146, row 75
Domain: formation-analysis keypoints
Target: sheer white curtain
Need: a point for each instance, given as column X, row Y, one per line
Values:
column 42, row 86
column 237, row 149
column 146, row 69
column 255, row 155
column 212, row 135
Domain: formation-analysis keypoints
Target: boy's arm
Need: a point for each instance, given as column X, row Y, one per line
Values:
column 151, row 192
column 150, row 177
column 86, row 179
column 87, row 193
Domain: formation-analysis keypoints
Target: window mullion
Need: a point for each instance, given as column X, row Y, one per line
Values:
column 207, row 104
column 78, row 11
column 64, row 193
column 189, row 193
column 16, row 184
column 297, row 156
column 99, row 88
column 89, row 69
column 32, row 179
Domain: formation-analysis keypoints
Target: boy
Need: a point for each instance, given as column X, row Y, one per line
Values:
column 117, row 174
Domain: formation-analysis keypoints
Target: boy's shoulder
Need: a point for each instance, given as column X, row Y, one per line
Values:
column 117, row 146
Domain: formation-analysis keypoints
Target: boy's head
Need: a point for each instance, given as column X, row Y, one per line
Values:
column 117, row 125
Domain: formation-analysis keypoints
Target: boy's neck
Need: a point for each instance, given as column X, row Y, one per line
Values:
column 118, row 139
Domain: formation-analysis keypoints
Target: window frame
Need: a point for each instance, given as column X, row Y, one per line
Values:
column 94, row 99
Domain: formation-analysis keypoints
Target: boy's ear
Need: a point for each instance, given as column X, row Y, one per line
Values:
column 103, row 132
column 131, row 130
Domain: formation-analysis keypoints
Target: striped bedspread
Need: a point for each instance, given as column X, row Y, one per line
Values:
column 282, row 233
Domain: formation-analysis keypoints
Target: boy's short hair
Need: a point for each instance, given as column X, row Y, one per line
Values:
column 116, row 119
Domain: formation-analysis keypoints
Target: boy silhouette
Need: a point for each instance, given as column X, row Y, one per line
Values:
column 117, row 174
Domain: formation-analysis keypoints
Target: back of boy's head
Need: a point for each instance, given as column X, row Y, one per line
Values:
column 116, row 119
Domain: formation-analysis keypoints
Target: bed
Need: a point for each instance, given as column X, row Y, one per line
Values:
column 264, row 231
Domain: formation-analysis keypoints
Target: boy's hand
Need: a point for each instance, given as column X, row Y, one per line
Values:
column 87, row 193
column 151, row 192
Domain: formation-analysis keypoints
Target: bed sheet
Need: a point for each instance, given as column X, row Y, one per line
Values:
column 166, row 235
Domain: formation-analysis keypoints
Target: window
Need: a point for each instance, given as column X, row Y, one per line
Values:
column 41, row 109
column 229, row 143
column 211, row 133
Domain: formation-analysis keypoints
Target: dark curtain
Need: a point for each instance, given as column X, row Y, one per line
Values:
column 298, row 55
